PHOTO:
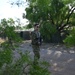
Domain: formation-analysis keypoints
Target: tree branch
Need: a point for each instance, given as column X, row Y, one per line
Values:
column 68, row 18
column 51, row 19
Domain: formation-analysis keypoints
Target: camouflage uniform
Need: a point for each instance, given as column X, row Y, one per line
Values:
column 35, row 37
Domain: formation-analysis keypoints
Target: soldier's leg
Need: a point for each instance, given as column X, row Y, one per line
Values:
column 36, row 51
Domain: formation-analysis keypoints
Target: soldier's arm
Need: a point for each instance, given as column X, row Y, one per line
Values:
column 33, row 36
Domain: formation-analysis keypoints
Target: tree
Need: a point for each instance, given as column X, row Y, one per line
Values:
column 8, row 30
column 55, row 14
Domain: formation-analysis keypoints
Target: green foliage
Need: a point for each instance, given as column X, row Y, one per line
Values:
column 40, row 69
column 47, row 30
column 45, row 10
column 59, row 13
column 8, row 30
column 70, row 39
column 23, row 65
column 5, row 57
column 28, row 26
column 17, row 67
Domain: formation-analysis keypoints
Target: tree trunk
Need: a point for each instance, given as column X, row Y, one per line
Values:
column 56, row 38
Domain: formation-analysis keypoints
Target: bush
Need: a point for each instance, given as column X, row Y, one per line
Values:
column 70, row 39
column 22, row 66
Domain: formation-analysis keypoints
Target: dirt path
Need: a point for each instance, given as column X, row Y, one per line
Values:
column 62, row 59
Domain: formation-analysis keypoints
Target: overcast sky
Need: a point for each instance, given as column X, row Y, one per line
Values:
column 8, row 11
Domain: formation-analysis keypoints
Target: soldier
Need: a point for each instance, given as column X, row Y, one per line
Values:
column 36, row 42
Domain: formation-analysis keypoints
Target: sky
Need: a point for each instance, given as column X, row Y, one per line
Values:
column 9, row 11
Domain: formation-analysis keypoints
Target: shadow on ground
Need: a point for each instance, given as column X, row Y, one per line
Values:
column 61, row 58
